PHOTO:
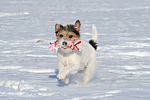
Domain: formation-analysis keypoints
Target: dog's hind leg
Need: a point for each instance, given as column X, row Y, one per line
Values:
column 89, row 72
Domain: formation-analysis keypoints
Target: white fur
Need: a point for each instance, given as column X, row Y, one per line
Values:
column 94, row 37
column 74, row 61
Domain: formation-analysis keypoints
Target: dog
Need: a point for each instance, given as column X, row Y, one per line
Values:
column 72, row 61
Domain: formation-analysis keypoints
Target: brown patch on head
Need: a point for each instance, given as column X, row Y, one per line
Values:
column 72, row 36
column 69, row 32
column 67, row 35
column 60, row 34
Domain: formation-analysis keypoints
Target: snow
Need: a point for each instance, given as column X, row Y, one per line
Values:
column 28, row 70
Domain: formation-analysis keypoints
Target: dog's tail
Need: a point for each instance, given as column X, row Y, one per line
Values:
column 93, row 41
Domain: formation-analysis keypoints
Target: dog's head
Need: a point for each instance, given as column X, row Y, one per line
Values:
column 67, row 34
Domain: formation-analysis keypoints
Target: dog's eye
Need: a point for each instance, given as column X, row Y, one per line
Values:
column 70, row 36
column 60, row 35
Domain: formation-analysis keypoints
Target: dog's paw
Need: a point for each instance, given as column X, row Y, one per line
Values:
column 60, row 77
column 66, row 80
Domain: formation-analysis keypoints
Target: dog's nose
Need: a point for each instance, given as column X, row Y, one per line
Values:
column 64, row 43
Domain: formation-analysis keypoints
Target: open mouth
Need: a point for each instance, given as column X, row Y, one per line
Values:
column 64, row 47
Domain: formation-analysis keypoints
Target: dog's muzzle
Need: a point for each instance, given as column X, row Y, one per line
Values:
column 64, row 43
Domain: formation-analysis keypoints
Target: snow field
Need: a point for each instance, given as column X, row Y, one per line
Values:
column 28, row 70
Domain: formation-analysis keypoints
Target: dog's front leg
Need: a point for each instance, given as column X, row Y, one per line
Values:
column 61, row 68
column 62, row 75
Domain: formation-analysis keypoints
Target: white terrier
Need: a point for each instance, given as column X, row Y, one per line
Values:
column 81, row 57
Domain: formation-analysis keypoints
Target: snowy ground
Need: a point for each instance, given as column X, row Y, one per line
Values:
column 28, row 70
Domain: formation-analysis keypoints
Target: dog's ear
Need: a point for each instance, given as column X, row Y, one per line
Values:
column 58, row 27
column 77, row 25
